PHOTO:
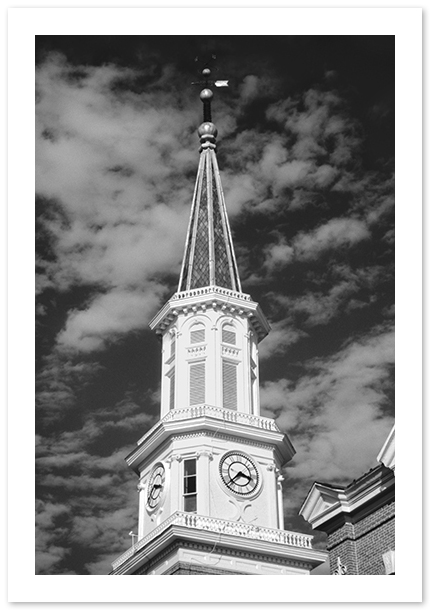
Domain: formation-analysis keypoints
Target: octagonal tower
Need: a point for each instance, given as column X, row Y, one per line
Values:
column 210, row 471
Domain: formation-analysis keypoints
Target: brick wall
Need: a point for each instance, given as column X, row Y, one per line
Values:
column 375, row 536
column 361, row 543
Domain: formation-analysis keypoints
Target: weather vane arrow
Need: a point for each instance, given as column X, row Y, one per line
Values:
column 210, row 83
column 206, row 94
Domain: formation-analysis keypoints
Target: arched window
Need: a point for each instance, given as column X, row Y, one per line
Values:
column 197, row 333
column 173, row 345
column 228, row 334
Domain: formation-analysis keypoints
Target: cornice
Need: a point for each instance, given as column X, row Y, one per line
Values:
column 214, row 297
column 224, row 437
column 225, row 551
column 195, row 420
column 238, row 537
column 326, row 503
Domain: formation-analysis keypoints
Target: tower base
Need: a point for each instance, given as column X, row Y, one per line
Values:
column 189, row 544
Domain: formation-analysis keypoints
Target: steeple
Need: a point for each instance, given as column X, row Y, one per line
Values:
column 209, row 258
column 210, row 470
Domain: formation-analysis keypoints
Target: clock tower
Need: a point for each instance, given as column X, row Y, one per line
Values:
column 210, row 470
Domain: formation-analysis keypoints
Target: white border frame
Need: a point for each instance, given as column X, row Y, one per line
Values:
column 24, row 23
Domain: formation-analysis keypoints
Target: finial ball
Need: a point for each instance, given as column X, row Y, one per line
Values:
column 206, row 95
column 207, row 129
column 206, row 72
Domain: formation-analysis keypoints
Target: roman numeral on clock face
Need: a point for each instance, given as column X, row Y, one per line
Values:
column 156, row 486
column 239, row 473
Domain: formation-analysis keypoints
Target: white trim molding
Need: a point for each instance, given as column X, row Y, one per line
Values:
column 387, row 455
column 242, row 537
column 325, row 502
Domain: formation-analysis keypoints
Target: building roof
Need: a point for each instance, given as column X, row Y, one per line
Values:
column 209, row 258
column 387, row 455
column 325, row 501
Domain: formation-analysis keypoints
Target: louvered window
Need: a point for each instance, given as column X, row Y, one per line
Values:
column 197, row 335
column 253, row 378
column 228, row 336
column 172, row 391
column 197, row 383
column 229, row 385
column 173, row 346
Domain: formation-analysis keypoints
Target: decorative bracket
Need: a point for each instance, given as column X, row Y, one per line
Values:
column 341, row 570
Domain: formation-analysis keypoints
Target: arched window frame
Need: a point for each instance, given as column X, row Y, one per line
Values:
column 199, row 328
column 229, row 333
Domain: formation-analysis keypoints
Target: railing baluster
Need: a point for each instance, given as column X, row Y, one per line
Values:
column 263, row 423
column 233, row 528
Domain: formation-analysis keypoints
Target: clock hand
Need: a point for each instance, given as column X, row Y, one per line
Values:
column 154, row 490
column 235, row 476
column 240, row 473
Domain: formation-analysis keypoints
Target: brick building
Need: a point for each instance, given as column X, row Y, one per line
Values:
column 358, row 519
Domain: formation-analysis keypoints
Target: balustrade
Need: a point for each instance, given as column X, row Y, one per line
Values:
column 220, row 526
column 264, row 423
column 210, row 290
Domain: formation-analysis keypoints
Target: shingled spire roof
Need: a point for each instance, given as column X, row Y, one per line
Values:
column 209, row 258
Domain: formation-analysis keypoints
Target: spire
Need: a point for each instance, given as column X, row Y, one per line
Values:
column 209, row 258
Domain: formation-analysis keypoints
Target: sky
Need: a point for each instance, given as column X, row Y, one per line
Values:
column 306, row 153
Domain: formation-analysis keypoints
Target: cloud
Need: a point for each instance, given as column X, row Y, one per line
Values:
column 108, row 159
column 278, row 254
column 254, row 87
column 314, row 148
column 315, row 307
column 242, row 191
column 292, row 173
column 282, row 335
column 113, row 313
column 321, row 129
column 117, row 154
column 338, row 413
column 96, row 519
column 325, row 175
column 49, row 554
column 113, row 196
column 57, row 384
column 108, row 530
column 336, row 293
column 336, row 233
column 250, row 88
column 100, row 504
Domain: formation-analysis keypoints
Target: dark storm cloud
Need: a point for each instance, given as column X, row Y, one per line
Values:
column 309, row 190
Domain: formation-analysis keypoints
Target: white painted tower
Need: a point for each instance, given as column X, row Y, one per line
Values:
column 210, row 471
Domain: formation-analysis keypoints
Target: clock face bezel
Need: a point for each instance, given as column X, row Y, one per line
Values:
column 156, row 487
column 240, row 474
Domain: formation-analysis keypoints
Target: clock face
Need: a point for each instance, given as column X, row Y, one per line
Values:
column 156, row 486
column 239, row 473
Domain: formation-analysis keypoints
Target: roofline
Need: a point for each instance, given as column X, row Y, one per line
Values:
column 228, row 534
column 206, row 419
column 325, row 502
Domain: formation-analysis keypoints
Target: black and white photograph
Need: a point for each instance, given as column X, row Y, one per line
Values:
column 287, row 143
column 215, row 304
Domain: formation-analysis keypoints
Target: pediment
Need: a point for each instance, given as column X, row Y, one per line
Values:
column 321, row 500
column 325, row 502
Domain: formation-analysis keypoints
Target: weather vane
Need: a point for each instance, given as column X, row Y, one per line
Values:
column 206, row 94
